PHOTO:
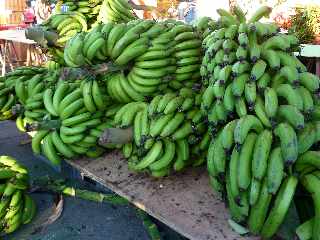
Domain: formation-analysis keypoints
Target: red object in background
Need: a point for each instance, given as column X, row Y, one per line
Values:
column 29, row 16
column 13, row 26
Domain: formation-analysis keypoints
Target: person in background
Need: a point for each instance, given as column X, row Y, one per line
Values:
column 172, row 12
column 29, row 14
column 187, row 10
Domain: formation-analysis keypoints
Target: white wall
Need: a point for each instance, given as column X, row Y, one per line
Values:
column 208, row 7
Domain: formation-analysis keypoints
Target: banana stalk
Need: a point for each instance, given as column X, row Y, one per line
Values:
column 116, row 136
column 59, row 186
column 43, row 125
column 150, row 226
column 41, row 36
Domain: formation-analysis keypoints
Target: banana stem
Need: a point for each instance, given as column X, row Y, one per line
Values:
column 59, row 186
column 41, row 36
column 44, row 125
column 17, row 109
column 149, row 225
column 90, row 195
column 104, row 68
column 116, row 136
column 68, row 73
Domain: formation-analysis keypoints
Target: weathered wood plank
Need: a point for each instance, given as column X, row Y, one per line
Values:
column 183, row 201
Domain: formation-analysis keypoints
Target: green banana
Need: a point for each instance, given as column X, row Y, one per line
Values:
column 259, row 210
column 292, row 115
column 255, row 188
column 244, row 125
column 270, row 102
column 261, row 154
column 258, row 70
column 153, row 154
column 275, row 172
column 306, row 137
column 245, row 161
column 50, row 151
column 172, row 125
column 293, row 98
column 288, row 143
column 280, row 208
column 166, row 158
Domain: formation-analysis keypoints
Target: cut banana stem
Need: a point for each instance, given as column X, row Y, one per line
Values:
column 116, row 136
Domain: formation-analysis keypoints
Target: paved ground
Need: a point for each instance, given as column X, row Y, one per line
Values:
column 81, row 220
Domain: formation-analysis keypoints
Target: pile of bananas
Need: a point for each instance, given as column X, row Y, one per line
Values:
column 205, row 26
column 169, row 132
column 68, row 115
column 52, row 65
column 57, row 30
column 77, row 119
column 16, row 206
column 8, row 86
column 308, row 168
column 116, row 11
column 66, row 25
column 89, row 8
column 29, row 92
column 263, row 115
column 80, row 17
column 154, row 56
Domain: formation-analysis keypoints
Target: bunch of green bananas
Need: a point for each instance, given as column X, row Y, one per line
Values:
column 90, row 8
column 52, row 65
column 154, row 55
column 80, row 17
column 311, row 181
column 66, row 25
column 29, row 92
column 75, row 118
column 169, row 132
column 8, row 97
column 262, row 109
column 205, row 25
column 68, row 115
column 16, row 206
column 116, row 11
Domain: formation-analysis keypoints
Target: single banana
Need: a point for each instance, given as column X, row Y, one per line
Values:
column 261, row 154
column 275, row 172
column 244, row 125
column 288, row 143
column 245, row 161
column 280, row 208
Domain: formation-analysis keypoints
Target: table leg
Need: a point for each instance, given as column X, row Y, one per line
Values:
column 28, row 55
column 318, row 66
column 7, row 49
column 33, row 56
column 14, row 51
column 2, row 58
column 37, row 56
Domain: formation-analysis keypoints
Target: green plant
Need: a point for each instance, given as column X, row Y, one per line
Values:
column 305, row 23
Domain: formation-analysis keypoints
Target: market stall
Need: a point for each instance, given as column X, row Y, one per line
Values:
column 8, row 51
column 211, row 126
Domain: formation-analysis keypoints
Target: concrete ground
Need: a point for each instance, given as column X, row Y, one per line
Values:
column 80, row 220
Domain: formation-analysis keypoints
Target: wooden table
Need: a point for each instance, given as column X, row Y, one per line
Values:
column 183, row 201
column 7, row 37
